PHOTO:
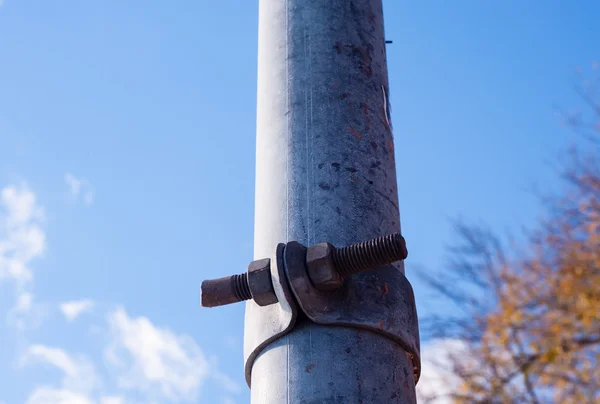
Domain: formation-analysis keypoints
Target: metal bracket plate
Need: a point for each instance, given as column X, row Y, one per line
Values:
column 380, row 300
column 267, row 323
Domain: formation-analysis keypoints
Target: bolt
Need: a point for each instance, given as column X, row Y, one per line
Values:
column 327, row 265
column 255, row 284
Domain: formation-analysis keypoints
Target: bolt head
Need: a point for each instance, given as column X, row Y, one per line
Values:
column 320, row 267
column 261, row 285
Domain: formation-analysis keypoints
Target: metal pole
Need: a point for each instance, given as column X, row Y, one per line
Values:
column 325, row 171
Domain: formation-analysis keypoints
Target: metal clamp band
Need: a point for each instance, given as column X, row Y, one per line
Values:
column 380, row 300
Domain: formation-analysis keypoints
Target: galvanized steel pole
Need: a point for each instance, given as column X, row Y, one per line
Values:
column 325, row 171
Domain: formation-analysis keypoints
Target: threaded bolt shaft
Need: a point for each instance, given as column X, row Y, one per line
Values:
column 370, row 254
column 241, row 287
column 226, row 290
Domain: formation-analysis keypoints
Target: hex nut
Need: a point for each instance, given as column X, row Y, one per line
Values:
column 320, row 267
column 261, row 285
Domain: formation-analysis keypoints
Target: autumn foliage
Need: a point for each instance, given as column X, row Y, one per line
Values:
column 529, row 311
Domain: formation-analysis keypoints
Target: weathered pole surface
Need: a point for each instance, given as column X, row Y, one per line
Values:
column 325, row 171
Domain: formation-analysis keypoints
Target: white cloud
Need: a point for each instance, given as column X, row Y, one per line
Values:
column 80, row 187
column 25, row 314
column 73, row 309
column 51, row 395
column 53, row 356
column 21, row 241
column 21, row 236
column 79, row 374
column 437, row 378
column 20, row 204
column 24, row 302
column 155, row 361
column 79, row 382
column 112, row 400
column 73, row 183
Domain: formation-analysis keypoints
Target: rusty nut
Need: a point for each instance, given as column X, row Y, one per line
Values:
column 320, row 267
column 261, row 285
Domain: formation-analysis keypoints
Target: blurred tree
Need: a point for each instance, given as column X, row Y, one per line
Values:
column 531, row 323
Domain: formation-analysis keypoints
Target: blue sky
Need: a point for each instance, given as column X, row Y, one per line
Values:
column 127, row 172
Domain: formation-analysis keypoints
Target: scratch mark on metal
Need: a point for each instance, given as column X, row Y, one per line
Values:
column 307, row 128
column 312, row 135
column 386, row 107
